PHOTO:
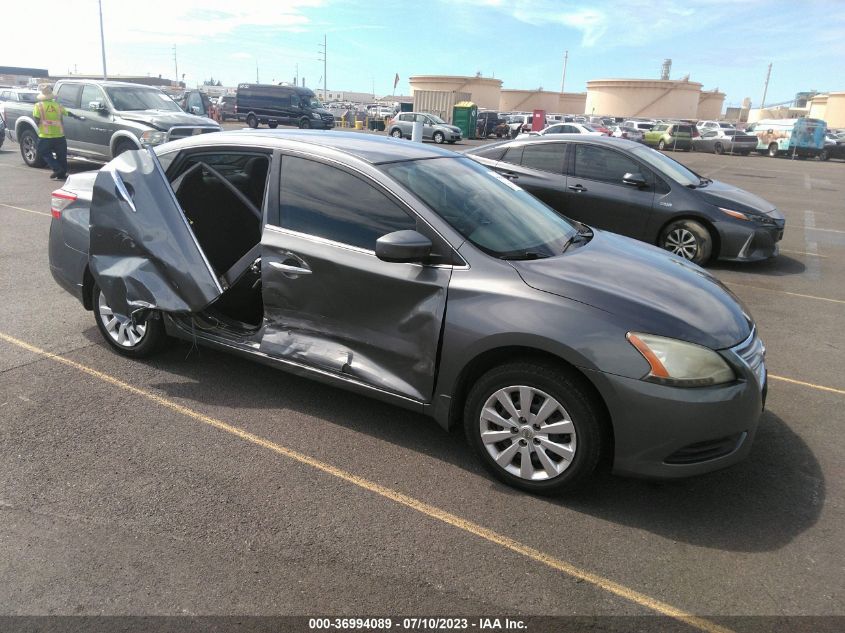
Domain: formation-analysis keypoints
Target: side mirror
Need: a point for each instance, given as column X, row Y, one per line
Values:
column 635, row 180
column 403, row 247
column 97, row 106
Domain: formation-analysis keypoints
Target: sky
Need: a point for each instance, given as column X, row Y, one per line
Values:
column 724, row 44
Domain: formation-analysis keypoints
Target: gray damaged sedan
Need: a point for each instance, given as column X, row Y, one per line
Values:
column 419, row 277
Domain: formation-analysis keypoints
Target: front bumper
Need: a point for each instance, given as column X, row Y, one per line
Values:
column 749, row 241
column 669, row 432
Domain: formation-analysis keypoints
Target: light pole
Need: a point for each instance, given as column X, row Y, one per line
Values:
column 102, row 40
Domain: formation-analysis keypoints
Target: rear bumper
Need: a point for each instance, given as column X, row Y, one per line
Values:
column 668, row 432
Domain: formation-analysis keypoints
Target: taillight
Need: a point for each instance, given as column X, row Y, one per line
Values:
column 695, row 132
column 60, row 199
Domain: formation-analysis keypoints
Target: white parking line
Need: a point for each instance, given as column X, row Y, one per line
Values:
column 783, row 250
column 812, row 269
column 9, row 206
column 784, row 292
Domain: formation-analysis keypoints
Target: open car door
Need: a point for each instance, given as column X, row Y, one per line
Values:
column 143, row 253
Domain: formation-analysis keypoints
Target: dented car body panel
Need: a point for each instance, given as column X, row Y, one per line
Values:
column 143, row 254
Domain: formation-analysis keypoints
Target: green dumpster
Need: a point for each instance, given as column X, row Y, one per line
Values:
column 465, row 116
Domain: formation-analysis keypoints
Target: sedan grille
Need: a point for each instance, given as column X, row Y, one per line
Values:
column 753, row 354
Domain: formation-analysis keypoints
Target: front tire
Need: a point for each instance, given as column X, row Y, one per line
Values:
column 661, row 145
column 123, row 146
column 438, row 138
column 29, row 149
column 688, row 239
column 136, row 340
column 535, row 426
column 304, row 124
column 396, row 133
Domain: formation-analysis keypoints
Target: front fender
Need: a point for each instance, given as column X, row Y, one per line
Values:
column 22, row 123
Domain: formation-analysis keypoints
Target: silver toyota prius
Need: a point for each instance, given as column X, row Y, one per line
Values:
column 419, row 277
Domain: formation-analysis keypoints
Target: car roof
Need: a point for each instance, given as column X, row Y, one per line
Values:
column 551, row 138
column 370, row 148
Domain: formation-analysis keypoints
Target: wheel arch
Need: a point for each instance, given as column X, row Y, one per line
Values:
column 87, row 288
column 701, row 219
column 493, row 357
column 24, row 122
column 122, row 135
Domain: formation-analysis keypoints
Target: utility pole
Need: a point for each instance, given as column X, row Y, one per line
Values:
column 766, row 86
column 296, row 77
column 102, row 40
column 256, row 73
column 175, row 63
column 565, row 60
column 323, row 59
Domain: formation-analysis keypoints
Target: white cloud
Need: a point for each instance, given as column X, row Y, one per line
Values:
column 240, row 55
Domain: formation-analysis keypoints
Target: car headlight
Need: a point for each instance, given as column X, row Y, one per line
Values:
column 153, row 137
column 680, row 364
column 748, row 217
column 314, row 115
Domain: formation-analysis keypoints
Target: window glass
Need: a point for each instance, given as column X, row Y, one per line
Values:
column 330, row 203
column 544, row 156
column 513, row 155
column 68, row 95
column 4, row 95
column 598, row 163
column 493, row 153
column 90, row 93
column 500, row 219
column 555, row 129
column 140, row 98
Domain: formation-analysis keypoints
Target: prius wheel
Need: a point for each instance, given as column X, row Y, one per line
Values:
column 534, row 426
column 688, row 239
column 138, row 339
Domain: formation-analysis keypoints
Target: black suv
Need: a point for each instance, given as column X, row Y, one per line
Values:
column 490, row 122
column 281, row 105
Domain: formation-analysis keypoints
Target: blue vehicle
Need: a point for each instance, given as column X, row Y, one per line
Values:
column 802, row 137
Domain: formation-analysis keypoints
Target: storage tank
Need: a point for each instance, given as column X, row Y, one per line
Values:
column 710, row 104
column 835, row 110
column 818, row 108
column 571, row 102
column 528, row 100
column 643, row 98
column 483, row 91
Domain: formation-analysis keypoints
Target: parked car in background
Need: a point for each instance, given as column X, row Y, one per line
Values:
column 670, row 136
column 834, row 147
column 115, row 117
column 2, row 130
column 281, row 105
column 566, row 128
column 491, row 122
column 803, row 136
column 434, row 128
column 625, row 187
column 714, row 125
column 228, row 109
column 635, row 130
column 724, row 141
column 17, row 95
column 416, row 276
column 519, row 123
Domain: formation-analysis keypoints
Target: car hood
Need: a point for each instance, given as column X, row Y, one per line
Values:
column 652, row 290
column 722, row 194
column 166, row 119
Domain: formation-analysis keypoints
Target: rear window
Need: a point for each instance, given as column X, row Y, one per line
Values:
column 683, row 129
column 645, row 126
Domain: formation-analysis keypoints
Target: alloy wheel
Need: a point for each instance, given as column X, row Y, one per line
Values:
column 527, row 433
column 29, row 148
column 120, row 328
column 681, row 242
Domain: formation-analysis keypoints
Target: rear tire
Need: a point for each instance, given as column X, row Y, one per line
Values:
column 824, row 155
column 273, row 125
column 29, row 149
column 252, row 121
column 773, row 150
column 136, row 340
column 687, row 239
column 571, row 408
column 718, row 149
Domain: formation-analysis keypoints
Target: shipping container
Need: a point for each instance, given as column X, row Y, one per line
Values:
column 439, row 102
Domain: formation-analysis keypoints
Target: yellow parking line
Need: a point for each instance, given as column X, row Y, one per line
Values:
column 785, row 292
column 22, row 209
column 808, row 384
column 415, row 504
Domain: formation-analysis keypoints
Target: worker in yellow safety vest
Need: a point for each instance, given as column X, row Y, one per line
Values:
column 52, row 145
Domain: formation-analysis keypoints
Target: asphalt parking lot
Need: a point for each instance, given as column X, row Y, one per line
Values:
column 198, row 483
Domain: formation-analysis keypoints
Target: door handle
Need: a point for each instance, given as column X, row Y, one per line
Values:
column 81, row 117
column 289, row 269
column 577, row 188
column 510, row 175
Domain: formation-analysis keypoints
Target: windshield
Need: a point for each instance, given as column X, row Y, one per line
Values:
column 436, row 118
column 496, row 216
column 313, row 102
column 130, row 98
column 589, row 128
column 666, row 166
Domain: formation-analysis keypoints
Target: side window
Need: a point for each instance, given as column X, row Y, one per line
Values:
column 330, row 203
column 4, row 96
column 68, row 95
column 545, row 157
column 90, row 93
column 570, row 129
column 598, row 163
column 493, row 153
column 513, row 155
